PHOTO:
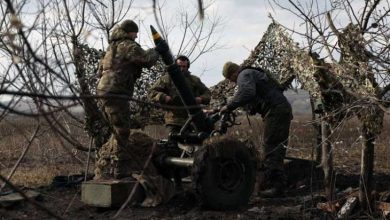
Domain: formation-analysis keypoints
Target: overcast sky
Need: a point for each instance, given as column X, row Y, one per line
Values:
column 245, row 22
column 243, row 26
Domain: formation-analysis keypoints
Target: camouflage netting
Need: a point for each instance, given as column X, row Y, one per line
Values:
column 344, row 88
column 220, row 93
column 271, row 55
column 146, row 114
column 358, row 78
column 89, row 61
column 86, row 62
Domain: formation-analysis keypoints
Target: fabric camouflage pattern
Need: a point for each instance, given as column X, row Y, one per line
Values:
column 114, row 153
column 133, row 157
column 123, row 63
column 120, row 68
column 165, row 87
column 156, row 188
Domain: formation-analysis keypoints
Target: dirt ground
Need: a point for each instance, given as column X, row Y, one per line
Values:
column 303, row 193
column 300, row 202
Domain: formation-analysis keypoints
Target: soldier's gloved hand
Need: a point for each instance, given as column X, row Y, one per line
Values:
column 224, row 109
column 210, row 111
column 162, row 47
column 198, row 100
column 168, row 99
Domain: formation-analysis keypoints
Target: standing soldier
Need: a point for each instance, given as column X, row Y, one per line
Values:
column 121, row 67
column 264, row 97
column 164, row 91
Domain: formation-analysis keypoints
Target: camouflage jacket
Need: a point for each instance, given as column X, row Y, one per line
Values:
column 165, row 87
column 122, row 64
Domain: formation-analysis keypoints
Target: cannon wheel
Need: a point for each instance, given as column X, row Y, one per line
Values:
column 224, row 174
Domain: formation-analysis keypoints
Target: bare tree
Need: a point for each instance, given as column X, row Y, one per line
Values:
column 49, row 62
column 355, row 76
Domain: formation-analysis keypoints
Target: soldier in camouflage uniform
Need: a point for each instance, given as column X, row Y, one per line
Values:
column 164, row 91
column 120, row 68
column 265, row 97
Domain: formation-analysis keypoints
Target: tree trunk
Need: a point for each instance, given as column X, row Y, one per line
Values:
column 318, row 147
column 366, row 171
column 317, row 128
column 327, row 161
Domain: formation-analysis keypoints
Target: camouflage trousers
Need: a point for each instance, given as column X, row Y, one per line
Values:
column 173, row 128
column 276, row 132
column 114, row 153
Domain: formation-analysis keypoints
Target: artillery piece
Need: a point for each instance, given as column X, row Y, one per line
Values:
column 222, row 169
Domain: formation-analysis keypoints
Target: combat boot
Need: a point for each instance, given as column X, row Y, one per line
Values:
column 276, row 191
column 275, row 182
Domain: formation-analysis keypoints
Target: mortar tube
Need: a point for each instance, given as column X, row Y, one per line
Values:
column 198, row 117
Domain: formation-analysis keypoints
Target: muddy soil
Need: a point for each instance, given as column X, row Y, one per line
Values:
column 303, row 193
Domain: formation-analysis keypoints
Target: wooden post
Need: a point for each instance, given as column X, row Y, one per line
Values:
column 366, row 171
column 327, row 161
column 318, row 147
column 317, row 127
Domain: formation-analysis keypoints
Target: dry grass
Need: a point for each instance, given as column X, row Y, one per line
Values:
column 47, row 157
column 345, row 138
column 347, row 144
column 41, row 175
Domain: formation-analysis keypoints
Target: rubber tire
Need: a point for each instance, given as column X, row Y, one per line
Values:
column 206, row 171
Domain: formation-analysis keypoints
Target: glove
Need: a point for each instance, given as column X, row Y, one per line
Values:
column 162, row 47
column 198, row 100
column 224, row 109
column 168, row 99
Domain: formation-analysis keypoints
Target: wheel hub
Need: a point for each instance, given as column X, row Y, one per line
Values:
column 231, row 174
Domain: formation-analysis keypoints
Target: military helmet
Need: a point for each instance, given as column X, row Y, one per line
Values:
column 129, row 26
column 229, row 68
